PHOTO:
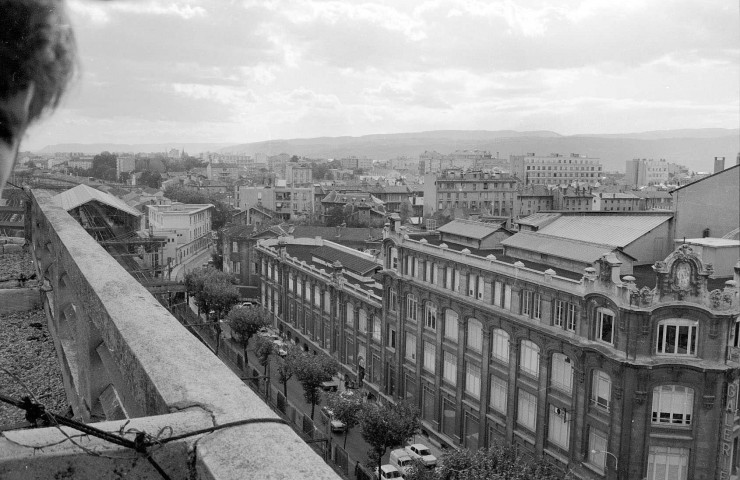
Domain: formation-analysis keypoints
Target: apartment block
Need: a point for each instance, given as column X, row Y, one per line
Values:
column 187, row 228
column 555, row 169
column 476, row 190
column 640, row 172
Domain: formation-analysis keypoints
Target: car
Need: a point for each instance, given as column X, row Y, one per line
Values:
column 336, row 425
column 421, row 452
column 330, row 385
column 387, row 471
column 400, row 459
column 280, row 347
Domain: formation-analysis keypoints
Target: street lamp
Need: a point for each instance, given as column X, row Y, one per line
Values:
column 616, row 462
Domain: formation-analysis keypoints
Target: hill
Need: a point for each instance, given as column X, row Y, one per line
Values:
column 93, row 148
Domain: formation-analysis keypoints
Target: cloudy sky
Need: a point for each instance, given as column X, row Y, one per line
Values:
column 254, row 70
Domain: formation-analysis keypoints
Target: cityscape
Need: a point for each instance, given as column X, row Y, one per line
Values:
column 483, row 253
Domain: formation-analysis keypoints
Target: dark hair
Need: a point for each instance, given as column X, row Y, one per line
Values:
column 36, row 47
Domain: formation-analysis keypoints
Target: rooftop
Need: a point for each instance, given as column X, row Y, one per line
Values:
column 571, row 249
column 82, row 194
column 469, row 228
column 618, row 230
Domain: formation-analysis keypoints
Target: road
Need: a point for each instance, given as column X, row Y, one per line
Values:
column 179, row 271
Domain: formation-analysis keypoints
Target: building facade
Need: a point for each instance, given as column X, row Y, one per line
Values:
column 555, row 169
column 487, row 192
column 187, row 228
column 640, row 172
column 614, row 202
column 602, row 378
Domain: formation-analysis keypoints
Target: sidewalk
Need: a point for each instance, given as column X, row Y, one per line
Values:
column 179, row 271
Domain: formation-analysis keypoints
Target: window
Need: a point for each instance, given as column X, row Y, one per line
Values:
column 412, row 307
column 677, row 337
column 597, row 449
column 433, row 273
column 472, row 379
column 234, row 247
column 559, row 427
column 529, row 358
column 472, row 285
column 499, row 394
column 394, row 258
column 605, row 325
column 668, row 463
column 735, row 334
column 601, row 389
column 497, row 299
column 393, row 302
column 327, row 302
column 526, row 414
column 475, row 335
column 429, row 357
column 410, row 346
column 391, row 337
column 350, row 314
column 291, row 283
column 362, row 321
column 561, row 376
column 500, row 345
column 451, row 326
column 449, row 369
column 507, row 297
column 376, row 328
column 672, row 405
column 317, row 295
column 299, row 287
column 430, row 316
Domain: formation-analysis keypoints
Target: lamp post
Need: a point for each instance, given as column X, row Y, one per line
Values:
column 616, row 462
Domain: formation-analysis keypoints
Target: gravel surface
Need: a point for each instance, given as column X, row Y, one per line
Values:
column 12, row 265
column 27, row 351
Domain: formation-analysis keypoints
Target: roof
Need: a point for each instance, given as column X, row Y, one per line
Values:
column 539, row 219
column 652, row 194
column 708, row 176
column 711, row 242
column 613, row 195
column 470, row 228
column 346, row 234
column 578, row 250
column 607, row 229
column 82, row 194
column 356, row 198
column 354, row 263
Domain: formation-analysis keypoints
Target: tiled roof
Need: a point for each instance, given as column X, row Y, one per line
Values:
column 585, row 252
column 606, row 229
column 81, row 194
column 469, row 228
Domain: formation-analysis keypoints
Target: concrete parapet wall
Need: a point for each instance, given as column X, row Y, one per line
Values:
column 116, row 335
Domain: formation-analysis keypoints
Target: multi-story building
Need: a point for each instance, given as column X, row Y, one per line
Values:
column 576, row 199
column 354, row 163
column 654, row 199
column 614, row 202
column 642, row 171
column 187, row 228
column 605, row 377
column 289, row 202
column 125, row 163
column 555, row 169
column 480, row 191
column 532, row 199
column 298, row 174
column 391, row 195
column 224, row 171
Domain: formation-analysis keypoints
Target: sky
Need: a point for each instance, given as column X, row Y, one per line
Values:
column 225, row 71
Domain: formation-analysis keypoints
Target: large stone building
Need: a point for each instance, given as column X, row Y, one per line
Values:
column 289, row 202
column 483, row 192
column 643, row 171
column 605, row 377
column 187, row 228
column 555, row 169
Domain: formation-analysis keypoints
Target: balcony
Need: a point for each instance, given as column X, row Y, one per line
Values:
column 127, row 361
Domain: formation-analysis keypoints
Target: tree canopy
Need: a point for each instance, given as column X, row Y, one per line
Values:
column 387, row 425
column 221, row 213
column 245, row 322
column 104, row 167
column 212, row 289
column 311, row 371
column 347, row 409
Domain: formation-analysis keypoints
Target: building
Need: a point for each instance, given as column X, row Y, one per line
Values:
column 125, row 163
column 603, row 376
column 298, row 174
column 224, row 171
column 577, row 199
column 484, row 192
column 365, row 208
column 474, row 235
column 288, row 202
column 614, row 202
column 718, row 194
column 391, row 195
column 353, row 163
column 641, row 172
column 532, row 199
column 83, row 163
column 555, row 169
column 653, row 199
column 187, row 228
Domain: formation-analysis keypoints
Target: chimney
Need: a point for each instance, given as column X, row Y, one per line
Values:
column 719, row 164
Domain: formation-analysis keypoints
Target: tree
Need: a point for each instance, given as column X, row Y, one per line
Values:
column 245, row 322
column 386, row 426
column 346, row 409
column 497, row 462
column 405, row 211
column 286, row 367
column 151, row 179
column 265, row 349
column 335, row 216
column 104, row 167
column 221, row 213
column 213, row 291
column 311, row 371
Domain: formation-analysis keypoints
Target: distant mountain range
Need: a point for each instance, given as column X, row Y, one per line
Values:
column 695, row 148
column 94, row 148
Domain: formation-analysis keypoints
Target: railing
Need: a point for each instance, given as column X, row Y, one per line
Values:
column 125, row 359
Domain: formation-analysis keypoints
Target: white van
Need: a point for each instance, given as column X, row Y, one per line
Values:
column 401, row 460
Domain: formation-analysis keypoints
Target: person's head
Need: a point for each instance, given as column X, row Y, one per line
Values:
column 37, row 60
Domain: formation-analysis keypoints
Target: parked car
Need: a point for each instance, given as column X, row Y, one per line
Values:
column 387, row 471
column 330, row 385
column 280, row 347
column 402, row 461
column 336, row 425
column 422, row 453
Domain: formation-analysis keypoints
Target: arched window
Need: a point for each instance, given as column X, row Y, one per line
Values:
column 676, row 337
column 430, row 315
column 672, row 405
column 605, row 322
column 500, row 345
column 362, row 321
column 561, row 374
column 601, row 389
column 529, row 358
column 475, row 335
column 451, row 324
